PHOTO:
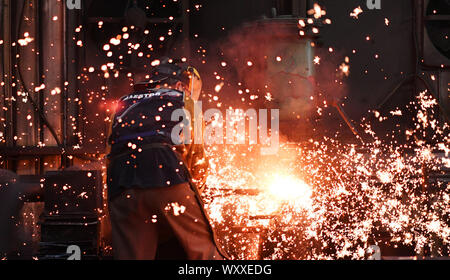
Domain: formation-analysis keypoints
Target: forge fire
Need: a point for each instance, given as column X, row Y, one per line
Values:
column 224, row 130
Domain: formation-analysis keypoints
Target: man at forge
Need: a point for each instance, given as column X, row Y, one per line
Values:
column 155, row 207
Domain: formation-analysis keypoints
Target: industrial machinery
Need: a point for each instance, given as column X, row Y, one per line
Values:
column 433, row 21
column 62, row 69
column 72, row 215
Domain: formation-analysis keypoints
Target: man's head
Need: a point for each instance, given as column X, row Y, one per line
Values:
column 168, row 75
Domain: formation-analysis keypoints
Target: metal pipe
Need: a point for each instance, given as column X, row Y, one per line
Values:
column 25, row 64
column 65, row 161
column 7, row 70
column 52, row 52
column 73, row 19
column 26, row 76
column 2, row 86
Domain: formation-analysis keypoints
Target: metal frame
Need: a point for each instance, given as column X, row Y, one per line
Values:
column 422, row 30
column 10, row 151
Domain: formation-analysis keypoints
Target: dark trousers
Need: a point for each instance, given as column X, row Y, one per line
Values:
column 162, row 223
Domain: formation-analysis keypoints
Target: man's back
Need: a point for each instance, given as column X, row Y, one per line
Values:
column 153, row 198
column 142, row 120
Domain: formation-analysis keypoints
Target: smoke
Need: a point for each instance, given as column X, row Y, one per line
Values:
column 267, row 65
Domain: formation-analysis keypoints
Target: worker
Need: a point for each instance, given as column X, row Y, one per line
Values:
column 153, row 183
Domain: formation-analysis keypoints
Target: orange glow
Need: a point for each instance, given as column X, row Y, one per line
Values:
column 286, row 187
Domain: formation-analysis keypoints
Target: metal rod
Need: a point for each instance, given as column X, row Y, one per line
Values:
column 65, row 162
column 347, row 120
column 7, row 70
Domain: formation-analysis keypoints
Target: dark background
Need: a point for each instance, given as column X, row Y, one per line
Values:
column 400, row 59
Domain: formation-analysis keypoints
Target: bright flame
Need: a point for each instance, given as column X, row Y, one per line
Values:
column 291, row 189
